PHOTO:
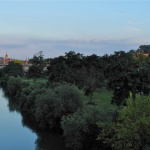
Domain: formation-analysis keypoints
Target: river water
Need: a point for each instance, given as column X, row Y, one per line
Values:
column 16, row 135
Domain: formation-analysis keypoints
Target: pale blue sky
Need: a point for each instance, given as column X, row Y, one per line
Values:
column 85, row 26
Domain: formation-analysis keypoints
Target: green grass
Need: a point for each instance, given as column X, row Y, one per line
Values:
column 102, row 99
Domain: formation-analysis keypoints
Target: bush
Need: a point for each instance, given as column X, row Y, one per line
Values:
column 3, row 81
column 45, row 110
column 13, row 69
column 14, row 86
column 69, row 100
column 80, row 129
column 28, row 99
column 53, row 104
column 132, row 130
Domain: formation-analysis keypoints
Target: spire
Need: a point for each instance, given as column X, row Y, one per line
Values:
column 26, row 60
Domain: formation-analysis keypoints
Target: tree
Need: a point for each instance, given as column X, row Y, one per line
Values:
column 18, row 61
column 36, row 70
column 127, row 75
column 64, row 68
column 53, row 104
column 13, row 69
column 74, row 68
column 80, row 129
column 131, row 131
column 14, row 86
column 58, row 70
column 90, row 74
column 89, row 79
column 74, row 60
column 144, row 48
column 37, row 59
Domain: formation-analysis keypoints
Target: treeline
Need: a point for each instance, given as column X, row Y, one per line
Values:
column 121, row 72
column 124, row 73
column 58, row 104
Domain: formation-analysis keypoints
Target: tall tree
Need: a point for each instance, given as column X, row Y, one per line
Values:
column 126, row 76
column 131, row 130
column 90, row 75
column 36, row 70
column 58, row 70
column 13, row 69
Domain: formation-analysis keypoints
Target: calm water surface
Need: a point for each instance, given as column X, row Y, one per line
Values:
column 16, row 136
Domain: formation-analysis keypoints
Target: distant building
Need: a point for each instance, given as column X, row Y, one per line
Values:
column 6, row 59
column 27, row 60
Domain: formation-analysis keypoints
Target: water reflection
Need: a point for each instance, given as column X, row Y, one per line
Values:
column 45, row 140
column 50, row 141
column 13, row 136
column 12, row 105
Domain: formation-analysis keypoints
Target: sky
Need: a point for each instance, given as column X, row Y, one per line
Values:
column 84, row 26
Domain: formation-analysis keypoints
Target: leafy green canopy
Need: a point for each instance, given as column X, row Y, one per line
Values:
column 53, row 104
column 13, row 69
column 80, row 129
column 126, row 75
column 132, row 129
column 85, row 72
column 36, row 70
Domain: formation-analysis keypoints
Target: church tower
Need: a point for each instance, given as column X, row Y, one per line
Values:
column 6, row 58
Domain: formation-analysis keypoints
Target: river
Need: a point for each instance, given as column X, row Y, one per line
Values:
column 16, row 135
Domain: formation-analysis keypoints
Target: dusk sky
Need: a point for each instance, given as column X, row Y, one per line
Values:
column 84, row 26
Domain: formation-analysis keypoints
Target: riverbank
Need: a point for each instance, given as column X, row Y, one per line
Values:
column 49, row 107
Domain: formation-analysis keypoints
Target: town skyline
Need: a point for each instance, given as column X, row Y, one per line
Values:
column 6, row 59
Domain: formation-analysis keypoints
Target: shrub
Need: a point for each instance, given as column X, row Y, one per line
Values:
column 28, row 99
column 53, row 104
column 45, row 109
column 132, row 130
column 13, row 69
column 3, row 81
column 80, row 129
column 14, row 86
column 69, row 100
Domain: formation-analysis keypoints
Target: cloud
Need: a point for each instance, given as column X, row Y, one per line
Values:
column 11, row 46
column 54, row 48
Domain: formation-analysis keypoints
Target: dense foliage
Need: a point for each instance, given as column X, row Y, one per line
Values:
column 80, row 129
column 45, row 105
column 131, row 130
column 14, row 85
column 144, row 49
column 53, row 104
column 57, row 104
column 13, row 69
column 37, row 68
column 84, row 72
column 126, row 75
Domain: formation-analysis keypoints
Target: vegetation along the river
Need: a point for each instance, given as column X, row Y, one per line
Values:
column 94, row 102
